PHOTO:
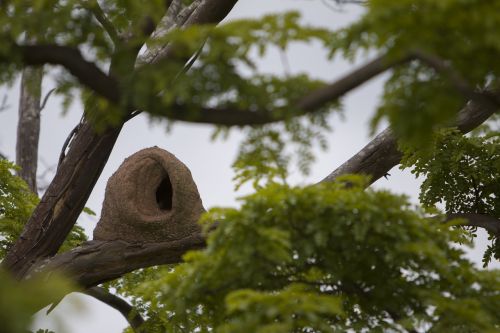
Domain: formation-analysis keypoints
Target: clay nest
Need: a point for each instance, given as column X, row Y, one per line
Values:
column 150, row 198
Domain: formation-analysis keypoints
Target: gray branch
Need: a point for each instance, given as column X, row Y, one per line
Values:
column 133, row 317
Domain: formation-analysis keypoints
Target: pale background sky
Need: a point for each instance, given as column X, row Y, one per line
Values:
column 210, row 162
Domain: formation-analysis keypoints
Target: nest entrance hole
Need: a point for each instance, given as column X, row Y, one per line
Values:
column 164, row 194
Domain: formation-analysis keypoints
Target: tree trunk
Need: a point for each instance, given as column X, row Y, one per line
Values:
column 28, row 126
column 64, row 199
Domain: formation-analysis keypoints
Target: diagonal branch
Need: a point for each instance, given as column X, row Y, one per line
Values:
column 103, row 20
column 382, row 154
column 133, row 317
column 199, row 12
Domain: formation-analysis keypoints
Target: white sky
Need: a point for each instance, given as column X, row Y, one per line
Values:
column 210, row 163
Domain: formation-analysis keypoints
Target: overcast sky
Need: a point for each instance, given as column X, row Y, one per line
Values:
column 210, row 162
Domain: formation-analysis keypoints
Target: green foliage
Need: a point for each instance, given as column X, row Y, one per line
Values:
column 462, row 33
column 325, row 258
column 461, row 173
column 21, row 299
column 16, row 204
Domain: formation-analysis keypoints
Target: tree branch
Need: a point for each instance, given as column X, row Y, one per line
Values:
column 100, row 16
column 86, row 72
column 320, row 97
column 381, row 154
column 133, row 317
column 309, row 103
column 487, row 222
column 46, row 99
column 204, row 12
column 95, row 262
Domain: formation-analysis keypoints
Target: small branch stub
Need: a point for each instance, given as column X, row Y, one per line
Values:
column 151, row 198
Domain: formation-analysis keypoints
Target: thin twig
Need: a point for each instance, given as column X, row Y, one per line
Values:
column 46, row 98
column 105, row 22
column 71, row 135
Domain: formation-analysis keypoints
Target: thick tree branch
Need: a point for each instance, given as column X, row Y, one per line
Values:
column 175, row 17
column 382, row 154
column 204, row 12
column 134, row 318
column 64, row 199
column 96, row 262
column 487, row 222
column 86, row 72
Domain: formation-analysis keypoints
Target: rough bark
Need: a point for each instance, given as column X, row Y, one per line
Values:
column 64, row 199
column 96, row 262
column 28, row 126
column 379, row 156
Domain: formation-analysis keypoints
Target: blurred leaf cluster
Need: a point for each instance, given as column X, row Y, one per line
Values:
column 20, row 300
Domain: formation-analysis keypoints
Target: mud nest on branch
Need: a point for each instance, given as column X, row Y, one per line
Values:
column 150, row 198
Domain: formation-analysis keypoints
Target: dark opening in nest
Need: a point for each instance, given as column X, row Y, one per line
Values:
column 164, row 194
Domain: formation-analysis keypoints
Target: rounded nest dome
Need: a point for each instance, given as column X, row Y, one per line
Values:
column 150, row 198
